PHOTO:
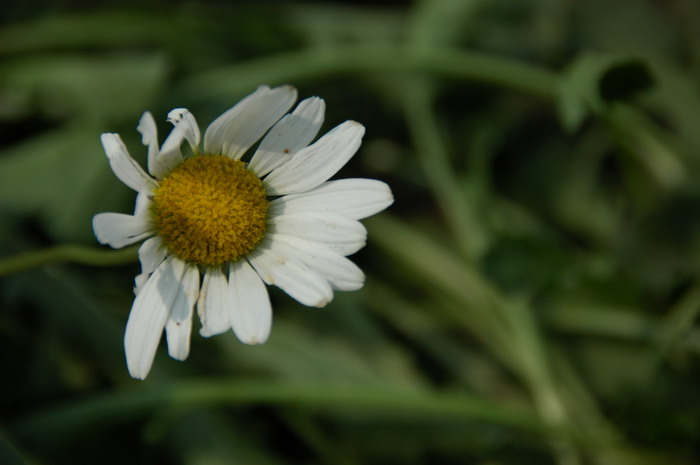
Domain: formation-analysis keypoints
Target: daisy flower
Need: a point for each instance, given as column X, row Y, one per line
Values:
column 217, row 229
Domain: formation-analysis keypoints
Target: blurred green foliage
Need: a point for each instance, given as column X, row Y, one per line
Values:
column 532, row 295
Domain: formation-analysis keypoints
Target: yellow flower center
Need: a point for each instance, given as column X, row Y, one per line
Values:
column 210, row 210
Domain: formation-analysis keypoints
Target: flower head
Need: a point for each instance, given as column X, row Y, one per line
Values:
column 217, row 229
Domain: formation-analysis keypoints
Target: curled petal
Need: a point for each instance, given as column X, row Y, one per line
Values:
column 185, row 123
column 149, row 138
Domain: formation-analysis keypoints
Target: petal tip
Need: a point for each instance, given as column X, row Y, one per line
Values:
column 176, row 114
column 138, row 372
column 254, row 339
column 97, row 228
column 355, row 125
column 180, row 356
column 322, row 302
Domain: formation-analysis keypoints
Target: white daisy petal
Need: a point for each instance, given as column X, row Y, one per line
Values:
column 142, row 209
column 339, row 233
column 314, row 164
column 149, row 138
column 148, row 316
column 185, row 122
column 290, row 275
column 250, row 309
column 179, row 324
column 151, row 254
column 240, row 127
column 139, row 281
column 342, row 274
column 346, row 248
column 355, row 198
column 170, row 155
column 118, row 229
column 125, row 167
column 214, row 303
column 292, row 133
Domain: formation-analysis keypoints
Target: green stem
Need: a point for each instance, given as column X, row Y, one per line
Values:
column 313, row 64
column 432, row 154
column 515, row 333
column 66, row 253
column 127, row 404
column 677, row 323
column 432, row 263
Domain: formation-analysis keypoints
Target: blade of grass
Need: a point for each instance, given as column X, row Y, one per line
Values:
column 127, row 404
column 80, row 254
column 514, row 328
column 432, row 153
column 677, row 323
column 304, row 65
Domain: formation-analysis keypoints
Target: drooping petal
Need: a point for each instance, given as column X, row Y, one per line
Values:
column 148, row 316
column 240, row 127
column 340, row 272
column 185, row 122
column 292, row 133
column 149, row 138
column 118, row 229
column 214, row 303
column 339, row 233
column 314, row 164
column 125, row 167
column 290, row 275
column 355, row 198
column 151, row 255
column 179, row 325
column 250, row 310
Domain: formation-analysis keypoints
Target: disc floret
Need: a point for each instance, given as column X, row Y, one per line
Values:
column 210, row 210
